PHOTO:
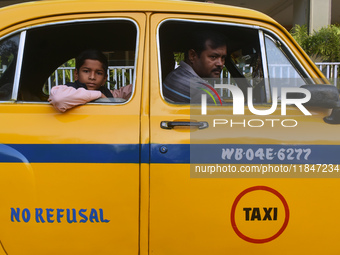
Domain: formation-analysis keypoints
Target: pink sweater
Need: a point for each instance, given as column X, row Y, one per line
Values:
column 63, row 97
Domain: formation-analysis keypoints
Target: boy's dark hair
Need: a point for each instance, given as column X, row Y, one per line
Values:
column 197, row 41
column 94, row 55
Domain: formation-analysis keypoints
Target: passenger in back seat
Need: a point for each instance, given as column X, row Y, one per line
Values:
column 90, row 76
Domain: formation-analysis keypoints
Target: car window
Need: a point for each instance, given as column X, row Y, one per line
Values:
column 281, row 71
column 8, row 55
column 243, row 66
column 251, row 60
column 50, row 51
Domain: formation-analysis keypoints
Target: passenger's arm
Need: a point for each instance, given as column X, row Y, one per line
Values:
column 63, row 97
column 123, row 92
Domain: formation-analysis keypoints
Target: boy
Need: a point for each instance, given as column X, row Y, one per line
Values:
column 90, row 76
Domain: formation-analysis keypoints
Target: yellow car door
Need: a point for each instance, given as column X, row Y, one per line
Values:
column 69, row 181
column 251, row 176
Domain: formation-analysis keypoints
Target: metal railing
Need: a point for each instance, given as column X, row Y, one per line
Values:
column 118, row 76
column 330, row 70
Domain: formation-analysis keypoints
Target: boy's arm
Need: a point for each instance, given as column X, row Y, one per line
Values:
column 63, row 97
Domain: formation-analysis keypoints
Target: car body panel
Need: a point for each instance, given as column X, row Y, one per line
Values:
column 132, row 184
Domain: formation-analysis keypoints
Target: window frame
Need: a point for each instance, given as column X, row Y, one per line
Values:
column 261, row 31
column 16, row 78
column 291, row 58
column 22, row 47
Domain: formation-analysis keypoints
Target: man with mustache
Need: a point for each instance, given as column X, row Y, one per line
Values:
column 204, row 58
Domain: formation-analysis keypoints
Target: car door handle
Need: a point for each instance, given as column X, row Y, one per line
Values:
column 172, row 124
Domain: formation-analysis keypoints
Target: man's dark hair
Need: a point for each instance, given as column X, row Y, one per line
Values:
column 94, row 55
column 197, row 41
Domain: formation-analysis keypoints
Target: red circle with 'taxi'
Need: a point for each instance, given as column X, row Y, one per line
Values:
column 264, row 240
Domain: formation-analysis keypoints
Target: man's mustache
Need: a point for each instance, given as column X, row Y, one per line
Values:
column 217, row 69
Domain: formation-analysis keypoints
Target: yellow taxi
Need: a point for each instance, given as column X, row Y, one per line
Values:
column 258, row 174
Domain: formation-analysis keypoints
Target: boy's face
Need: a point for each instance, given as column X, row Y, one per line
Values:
column 92, row 74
